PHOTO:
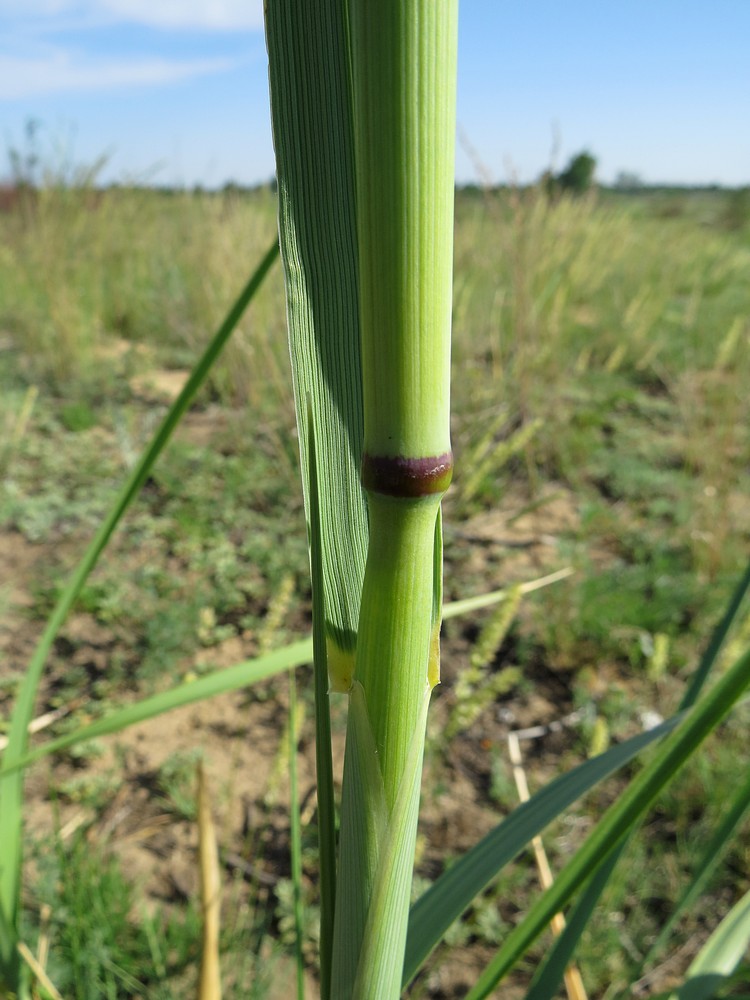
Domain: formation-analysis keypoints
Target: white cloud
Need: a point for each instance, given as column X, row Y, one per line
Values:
column 218, row 15
column 215, row 14
column 37, row 57
column 35, row 8
column 26, row 77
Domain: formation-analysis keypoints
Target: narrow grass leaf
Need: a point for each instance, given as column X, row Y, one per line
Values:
column 551, row 973
column 562, row 951
column 311, row 116
column 717, row 961
column 222, row 681
column 323, row 755
column 454, row 891
column 619, row 820
column 11, row 782
column 699, row 678
column 479, row 601
column 711, row 858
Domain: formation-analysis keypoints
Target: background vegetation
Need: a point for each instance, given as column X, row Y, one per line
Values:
column 601, row 421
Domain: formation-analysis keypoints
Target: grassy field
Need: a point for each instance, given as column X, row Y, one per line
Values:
column 601, row 422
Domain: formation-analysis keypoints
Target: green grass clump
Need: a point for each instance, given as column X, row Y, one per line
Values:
column 89, row 274
column 99, row 946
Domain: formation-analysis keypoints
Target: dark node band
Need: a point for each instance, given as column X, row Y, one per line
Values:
column 407, row 477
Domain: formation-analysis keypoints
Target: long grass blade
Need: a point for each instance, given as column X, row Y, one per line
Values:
column 562, row 951
column 455, row 890
column 619, row 819
column 699, row 678
column 323, row 755
column 312, row 126
column 717, row 961
column 221, row 682
column 11, row 784
column 711, row 858
column 468, row 604
column 552, row 971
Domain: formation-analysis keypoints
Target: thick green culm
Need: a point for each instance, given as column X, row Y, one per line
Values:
column 403, row 73
column 363, row 108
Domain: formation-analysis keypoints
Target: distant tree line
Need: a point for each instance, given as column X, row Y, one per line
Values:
column 577, row 178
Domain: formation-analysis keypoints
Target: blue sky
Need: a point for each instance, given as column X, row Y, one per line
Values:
column 175, row 91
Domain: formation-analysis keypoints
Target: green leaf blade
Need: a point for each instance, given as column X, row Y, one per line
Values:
column 736, row 811
column 699, row 678
column 619, row 820
column 454, row 891
column 311, row 116
column 222, row 681
column 720, row 956
column 562, row 951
